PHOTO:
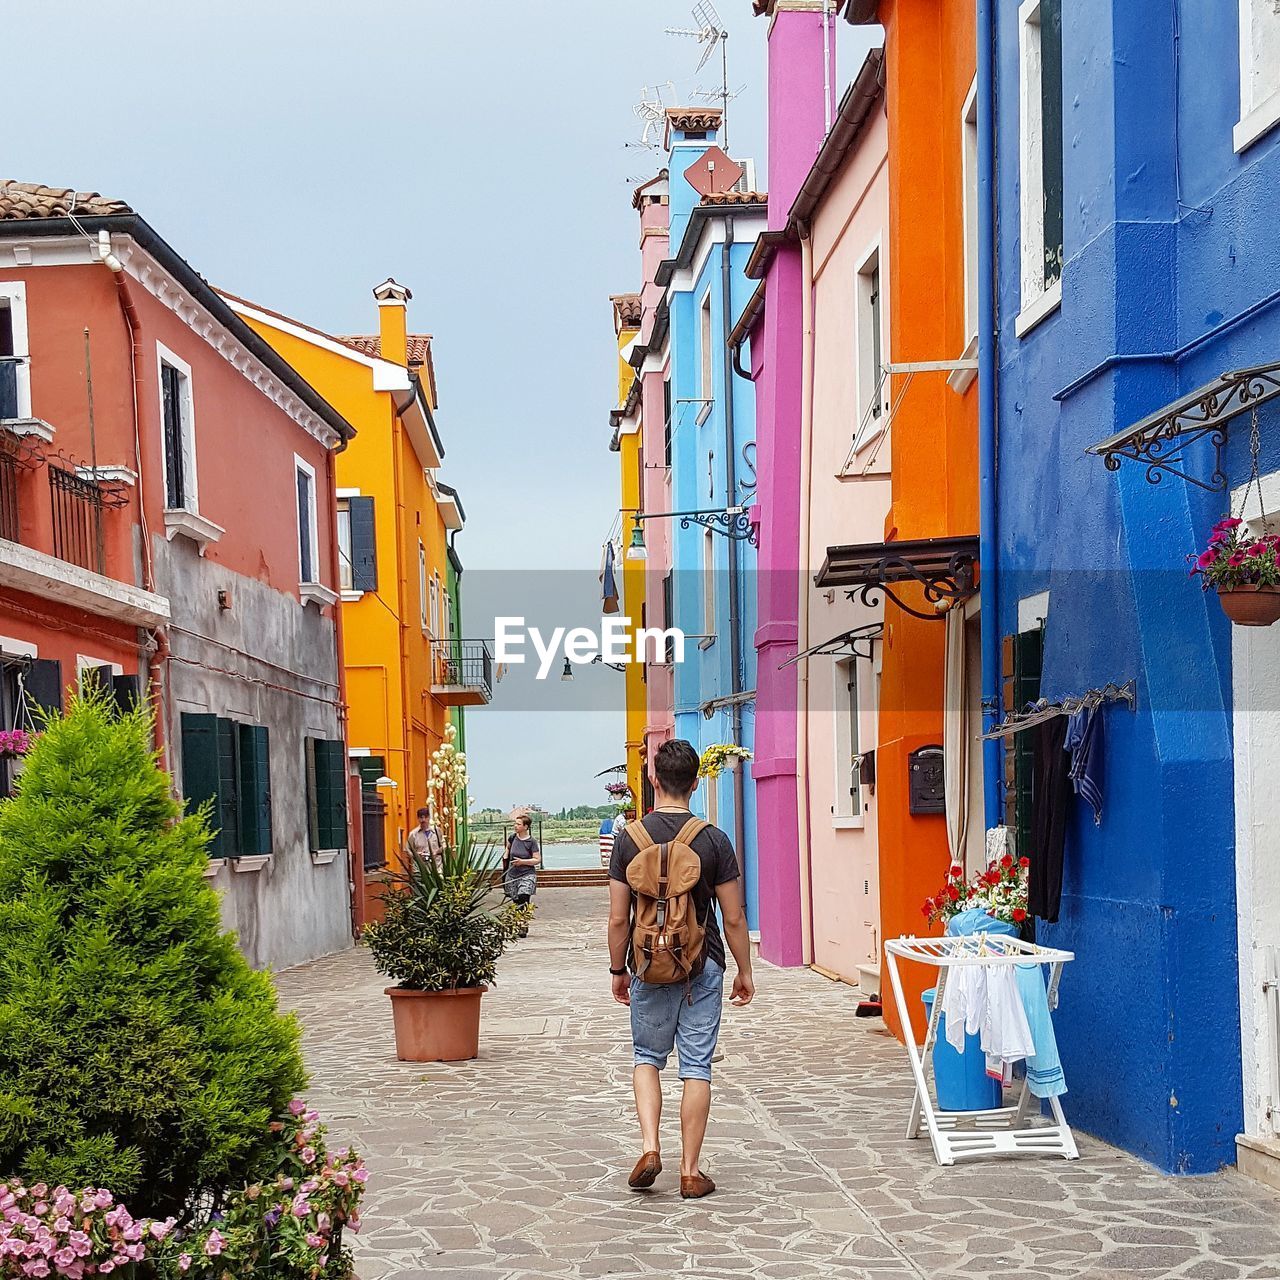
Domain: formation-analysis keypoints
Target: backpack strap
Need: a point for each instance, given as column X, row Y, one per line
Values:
column 690, row 831
column 639, row 834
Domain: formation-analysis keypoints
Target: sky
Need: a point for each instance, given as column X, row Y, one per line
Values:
column 299, row 153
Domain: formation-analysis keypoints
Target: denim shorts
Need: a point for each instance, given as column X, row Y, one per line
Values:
column 686, row 1018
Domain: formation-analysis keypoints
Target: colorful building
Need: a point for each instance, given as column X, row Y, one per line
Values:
column 927, row 766
column 627, row 442
column 1137, row 267
column 837, row 223
column 408, row 668
column 133, row 554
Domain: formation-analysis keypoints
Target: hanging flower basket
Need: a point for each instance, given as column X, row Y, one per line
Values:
column 14, row 742
column 1244, row 571
column 720, row 756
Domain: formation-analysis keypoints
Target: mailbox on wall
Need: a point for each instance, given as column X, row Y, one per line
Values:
column 925, row 784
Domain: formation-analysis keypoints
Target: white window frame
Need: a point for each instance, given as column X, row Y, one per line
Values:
column 422, row 586
column 435, row 606
column 1038, row 302
column 188, row 408
column 13, row 293
column 301, row 464
column 346, row 570
column 872, row 261
column 1258, row 115
column 969, row 172
column 847, row 726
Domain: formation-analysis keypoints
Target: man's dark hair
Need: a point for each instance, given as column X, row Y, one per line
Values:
column 675, row 767
column 424, row 813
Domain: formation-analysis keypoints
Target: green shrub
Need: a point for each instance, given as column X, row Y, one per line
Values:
column 138, row 1049
column 440, row 930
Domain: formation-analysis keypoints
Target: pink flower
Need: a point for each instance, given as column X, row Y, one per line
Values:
column 1235, row 559
column 361, row 1174
column 1231, row 522
column 213, row 1245
column 353, row 1223
column 105, row 1268
column 315, row 1241
column 301, row 1206
column 297, row 1107
column 307, row 1155
column 161, row 1229
column 36, row 1267
column 184, row 1262
column 1206, row 558
column 103, row 1199
column 341, row 1178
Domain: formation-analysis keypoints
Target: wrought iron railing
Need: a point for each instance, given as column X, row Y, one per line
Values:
column 10, row 470
column 77, row 518
column 462, row 664
column 9, row 387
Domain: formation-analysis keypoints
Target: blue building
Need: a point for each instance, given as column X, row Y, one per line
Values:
column 1137, row 184
column 712, row 445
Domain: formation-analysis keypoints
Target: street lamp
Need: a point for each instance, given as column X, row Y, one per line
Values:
column 636, row 551
column 567, row 673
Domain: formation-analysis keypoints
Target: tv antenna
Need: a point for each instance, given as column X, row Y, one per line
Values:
column 652, row 111
column 711, row 33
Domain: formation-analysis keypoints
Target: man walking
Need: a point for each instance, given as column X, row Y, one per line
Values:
column 424, row 840
column 684, row 1014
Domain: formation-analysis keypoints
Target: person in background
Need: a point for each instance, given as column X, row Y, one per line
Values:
column 524, row 857
column 424, row 840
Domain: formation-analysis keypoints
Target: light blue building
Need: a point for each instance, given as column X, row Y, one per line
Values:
column 712, row 433
column 1137, row 184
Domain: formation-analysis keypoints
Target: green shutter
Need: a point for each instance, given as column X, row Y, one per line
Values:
column 1028, row 656
column 200, row 775
column 371, row 768
column 255, row 789
column 327, row 793
column 229, row 786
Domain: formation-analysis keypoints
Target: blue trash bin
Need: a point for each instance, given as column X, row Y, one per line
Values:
column 961, row 1079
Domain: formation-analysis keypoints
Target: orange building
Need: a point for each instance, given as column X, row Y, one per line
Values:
column 929, row 709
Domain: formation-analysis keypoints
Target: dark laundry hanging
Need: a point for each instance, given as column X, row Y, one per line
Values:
column 867, row 770
column 1050, row 800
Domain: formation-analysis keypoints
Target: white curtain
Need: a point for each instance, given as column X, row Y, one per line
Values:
column 957, row 735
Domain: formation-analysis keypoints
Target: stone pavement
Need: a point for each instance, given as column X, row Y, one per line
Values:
column 514, row 1166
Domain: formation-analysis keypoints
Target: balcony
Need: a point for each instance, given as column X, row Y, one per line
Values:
column 461, row 672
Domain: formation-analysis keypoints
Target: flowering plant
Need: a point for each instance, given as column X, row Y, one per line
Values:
column 1234, row 558
column 1000, row 890
column 447, row 783
column 720, row 756
column 287, row 1225
column 14, row 742
column 619, row 790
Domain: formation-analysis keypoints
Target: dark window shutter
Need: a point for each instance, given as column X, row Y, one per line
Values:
column 96, row 680
column 306, row 559
column 229, row 786
column 255, row 789
column 43, row 686
column 175, row 480
column 200, row 774
column 1051, row 107
column 364, row 547
column 1028, row 655
column 127, row 692
column 327, row 793
column 371, row 768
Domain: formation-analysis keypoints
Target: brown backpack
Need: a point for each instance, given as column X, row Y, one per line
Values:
column 666, row 935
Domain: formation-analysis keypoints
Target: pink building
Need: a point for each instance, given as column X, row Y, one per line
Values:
column 653, row 389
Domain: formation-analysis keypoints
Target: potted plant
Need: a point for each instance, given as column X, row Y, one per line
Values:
column 440, row 938
column 720, row 756
column 1000, row 891
column 1244, row 571
column 14, row 743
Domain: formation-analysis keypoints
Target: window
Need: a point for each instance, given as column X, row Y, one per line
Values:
column 708, row 584
column 15, row 369
column 357, row 546
column 422, row 585
column 228, row 766
column 345, row 577
column 1023, row 656
column 848, row 790
column 969, row 165
column 435, row 604
column 707, row 368
column 669, row 617
column 666, row 419
column 308, row 540
column 178, row 423
column 1040, row 168
column 1259, row 70
column 869, row 335
column 326, row 763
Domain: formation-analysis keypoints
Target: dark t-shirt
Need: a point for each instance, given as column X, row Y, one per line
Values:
column 521, row 847
column 719, row 866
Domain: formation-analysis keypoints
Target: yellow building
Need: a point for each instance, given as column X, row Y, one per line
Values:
column 626, row 442
column 407, row 667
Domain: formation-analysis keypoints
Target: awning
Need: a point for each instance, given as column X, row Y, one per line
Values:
column 617, row 768
column 943, row 567
column 1160, row 440
column 845, row 644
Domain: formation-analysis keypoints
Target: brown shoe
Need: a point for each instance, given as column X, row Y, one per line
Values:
column 696, row 1187
column 645, row 1174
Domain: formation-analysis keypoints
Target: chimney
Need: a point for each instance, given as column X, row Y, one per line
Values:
column 802, row 78
column 393, row 325
column 690, row 131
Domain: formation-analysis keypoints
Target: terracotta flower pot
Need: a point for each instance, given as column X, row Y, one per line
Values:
column 436, row 1026
column 1251, row 606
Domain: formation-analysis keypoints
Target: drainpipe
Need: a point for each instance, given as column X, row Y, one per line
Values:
column 157, row 660
column 731, row 488
column 988, row 472
column 804, row 833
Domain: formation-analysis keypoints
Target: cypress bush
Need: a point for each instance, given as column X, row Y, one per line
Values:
column 138, row 1049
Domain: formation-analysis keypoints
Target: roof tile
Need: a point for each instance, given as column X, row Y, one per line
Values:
column 21, row 201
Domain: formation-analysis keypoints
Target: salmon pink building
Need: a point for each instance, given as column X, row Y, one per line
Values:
column 167, row 532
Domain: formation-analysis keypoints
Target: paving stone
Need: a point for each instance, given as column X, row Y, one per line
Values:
column 477, row 1176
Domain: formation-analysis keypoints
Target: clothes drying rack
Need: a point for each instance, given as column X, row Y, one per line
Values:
column 970, row 1135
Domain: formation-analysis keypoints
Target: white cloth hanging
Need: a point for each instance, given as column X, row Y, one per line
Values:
column 964, row 1003
column 1006, row 1036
